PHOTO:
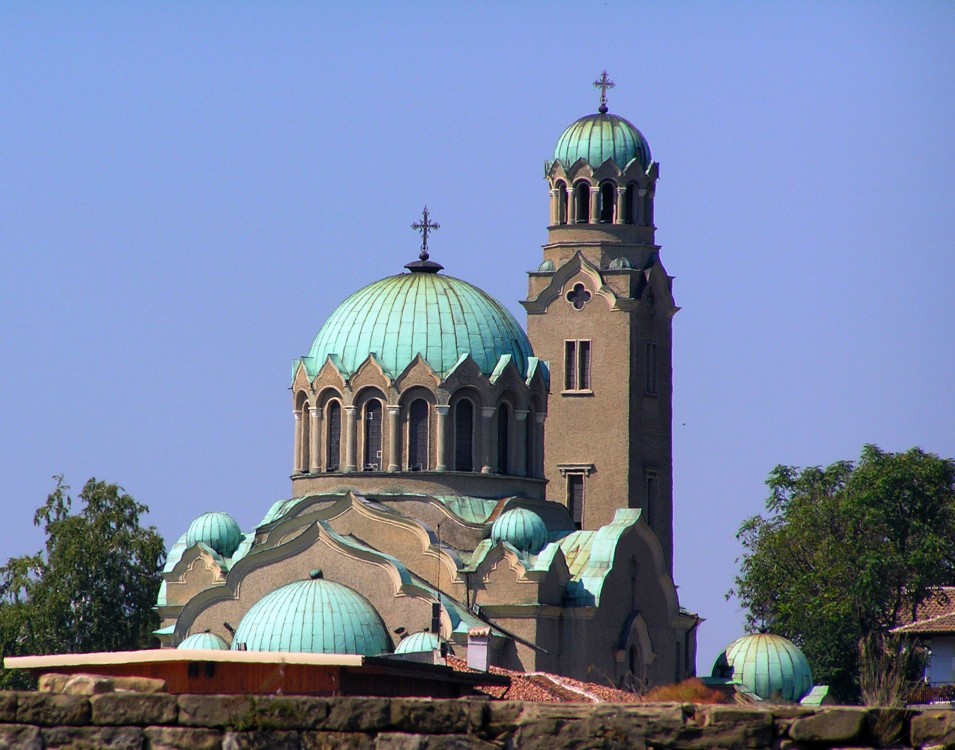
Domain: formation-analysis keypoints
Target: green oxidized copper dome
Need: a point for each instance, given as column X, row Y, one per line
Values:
column 316, row 617
column 769, row 665
column 219, row 531
column 204, row 642
column 521, row 528
column 421, row 642
column 596, row 138
column 431, row 314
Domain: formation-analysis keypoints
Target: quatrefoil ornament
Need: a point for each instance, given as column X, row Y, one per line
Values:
column 578, row 296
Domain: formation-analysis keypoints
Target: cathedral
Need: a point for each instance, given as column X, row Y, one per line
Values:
column 462, row 483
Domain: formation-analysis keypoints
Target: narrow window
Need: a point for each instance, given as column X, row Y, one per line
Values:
column 305, row 425
column 651, row 481
column 583, row 357
column 575, row 498
column 561, row 203
column 608, row 199
column 373, row 435
column 651, row 386
column 503, row 419
column 334, row 444
column 570, row 365
column 582, row 201
column 418, row 436
column 464, row 436
column 531, row 458
column 648, row 209
column 628, row 204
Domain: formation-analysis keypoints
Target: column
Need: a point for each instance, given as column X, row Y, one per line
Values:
column 571, row 206
column 315, row 439
column 538, row 468
column 487, row 414
column 620, row 214
column 393, row 434
column 594, row 204
column 640, row 217
column 554, row 209
column 351, row 420
column 441, row 430
column 520, row 452
column 297, row 461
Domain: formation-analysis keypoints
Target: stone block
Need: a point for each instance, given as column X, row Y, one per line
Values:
column 498, row 718
column 358, row 715
column 137, row 709
column 401, row 741
column 182, row 738
column 830, row 726
column 275, row 712
column 93, row 738
column 8, row 706
column 336, row 741
column 20, row 737
column 139, row 684
column 933, row 728
column 51, row 710
column 420, row 716
column 261, row 740
column 214, row 711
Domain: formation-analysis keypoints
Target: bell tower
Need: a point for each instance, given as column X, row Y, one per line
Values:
column 599, row 310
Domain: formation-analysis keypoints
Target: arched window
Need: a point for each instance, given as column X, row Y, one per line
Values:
column 561, row 188
column 608, row 201
column 503, row 430
column 529, row 442
column 372, row 417
column 629, row 205
column 582, row 202
column 418, row 435
column 304, row 433
column 464, row 436
column 648, row 209
column 333, row 446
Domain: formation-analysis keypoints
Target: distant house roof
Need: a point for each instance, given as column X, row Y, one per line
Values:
column 935, row 616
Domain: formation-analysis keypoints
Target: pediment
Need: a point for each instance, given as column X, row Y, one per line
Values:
column 418, row 373
column 507, row 376
column 464, row 372
column 330, row 375
column 576, row 270
column 300, row 379
column 370, row 373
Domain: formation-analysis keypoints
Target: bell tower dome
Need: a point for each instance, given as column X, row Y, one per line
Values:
column 599, row 311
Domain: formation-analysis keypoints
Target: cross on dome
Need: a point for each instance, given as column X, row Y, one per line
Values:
column 603, row 83
column 425, row 227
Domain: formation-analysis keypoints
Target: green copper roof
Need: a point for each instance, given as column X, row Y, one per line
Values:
column 522, row 528
column 216, row 530
column 316, row 617
column 437, row 316
column 596, row 138
column 769, row 665
column 204, row 642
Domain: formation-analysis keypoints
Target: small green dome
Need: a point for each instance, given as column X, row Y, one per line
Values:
column 522, row 529
column 431, row 314
column 417, row 643
column 769, row 665
column 596, row 138
column 315, row 617
column 205, row 642
column 216, row 530
column 621, row 264
column 546, row 266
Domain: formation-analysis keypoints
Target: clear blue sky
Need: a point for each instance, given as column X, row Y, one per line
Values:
column 188, row 189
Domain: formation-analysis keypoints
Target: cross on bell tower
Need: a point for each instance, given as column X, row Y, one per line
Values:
column 603, row 83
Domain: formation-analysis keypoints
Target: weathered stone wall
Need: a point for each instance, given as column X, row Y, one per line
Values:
column 34, row 721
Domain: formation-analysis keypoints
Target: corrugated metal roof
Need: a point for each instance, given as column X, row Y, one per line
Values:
column 597, row 138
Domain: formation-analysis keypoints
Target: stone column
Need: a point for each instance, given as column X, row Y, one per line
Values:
column 441, row 430
column 554, row 208
column 351, row 422
column 297, row 460
column 314, row 439
column 538, row 468
column 487, row 414
column 640, row 217
column 571, row 206
column 594, row 204
column 620, row 214
column 520, row 452
column 393, row 434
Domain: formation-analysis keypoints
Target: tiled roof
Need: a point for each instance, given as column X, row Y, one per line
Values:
column 935, row 615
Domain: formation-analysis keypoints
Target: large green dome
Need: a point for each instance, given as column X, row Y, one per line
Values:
column 431, row 314
column 769, row 665
column 596, row 138
column 315, row 617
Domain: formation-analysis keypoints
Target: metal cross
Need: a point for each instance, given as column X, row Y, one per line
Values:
column 603, row 83
column 425, row 226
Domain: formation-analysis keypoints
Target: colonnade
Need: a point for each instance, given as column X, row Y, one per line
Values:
column 565, row 207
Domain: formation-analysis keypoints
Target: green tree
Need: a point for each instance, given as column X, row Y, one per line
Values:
column 94, row 586
column 846, row 552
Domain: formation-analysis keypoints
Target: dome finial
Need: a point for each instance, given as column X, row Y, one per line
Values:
column 425, row 226
column 603, row 83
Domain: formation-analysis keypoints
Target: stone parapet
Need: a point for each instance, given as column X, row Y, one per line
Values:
column 36, row 721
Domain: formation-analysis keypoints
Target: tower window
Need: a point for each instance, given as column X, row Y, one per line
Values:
column 334, row 444
column 575, row 498
column 651, row 384
column 608, row 198
column 464, row 436
column 503, row 419
column 582, row 202
column 373, row 436
column 561, row 202
column 651, row 482
column 628, row 204
column 418, row 436
column 577, row 365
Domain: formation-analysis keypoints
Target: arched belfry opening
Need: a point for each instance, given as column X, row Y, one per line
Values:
column 629, row 204
column 372, row 430
column 503, row 440
column 464, row 435
column 608, row 201
column 418, row 435
column 561, row 197
column 582, row 202
column 333, row 440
